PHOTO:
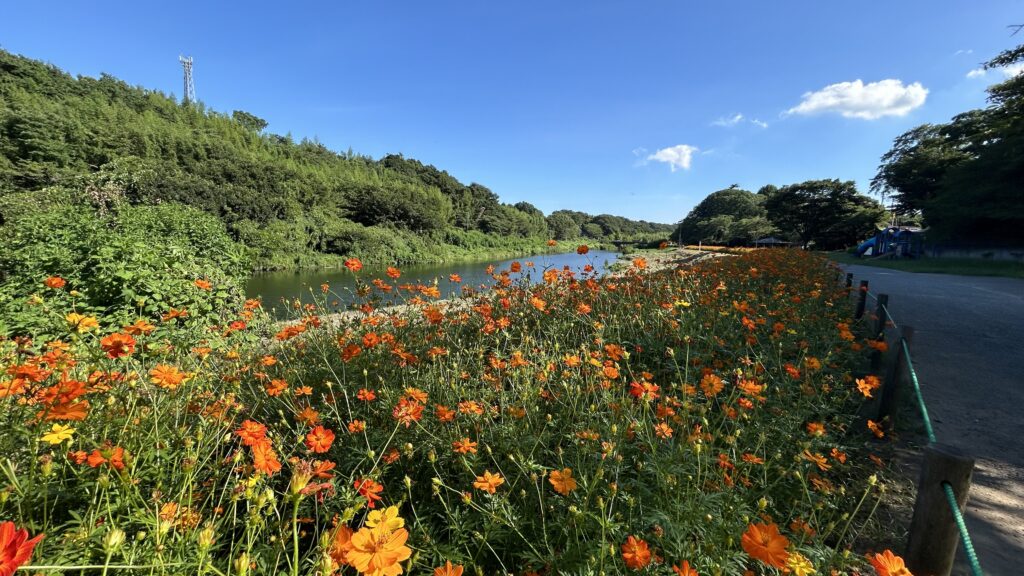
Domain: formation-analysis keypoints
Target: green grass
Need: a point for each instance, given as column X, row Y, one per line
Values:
column 962, row 266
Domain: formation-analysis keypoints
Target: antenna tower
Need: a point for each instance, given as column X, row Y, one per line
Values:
column 190, row 87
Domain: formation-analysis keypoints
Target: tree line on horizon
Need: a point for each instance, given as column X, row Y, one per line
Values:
column 91, row 145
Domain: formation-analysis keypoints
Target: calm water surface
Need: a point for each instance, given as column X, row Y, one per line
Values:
column 273, row 287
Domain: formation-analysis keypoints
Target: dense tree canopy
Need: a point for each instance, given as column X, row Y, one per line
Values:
column 292, row 203
column 728, row 217
column 829, row 214
column 965, row 177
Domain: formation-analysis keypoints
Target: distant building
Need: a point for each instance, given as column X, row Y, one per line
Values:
column 770, row 242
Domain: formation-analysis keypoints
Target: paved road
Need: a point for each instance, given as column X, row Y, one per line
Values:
column 968, row 351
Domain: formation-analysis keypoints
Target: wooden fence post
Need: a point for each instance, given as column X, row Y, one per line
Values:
column 931, row 545
column 862, row 299
column 881, row 319
column 889, row 404
column 849, row 279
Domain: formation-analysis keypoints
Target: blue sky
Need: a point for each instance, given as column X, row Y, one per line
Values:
column 633, row 108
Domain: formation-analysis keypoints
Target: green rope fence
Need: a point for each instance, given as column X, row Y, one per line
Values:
column 965, row 536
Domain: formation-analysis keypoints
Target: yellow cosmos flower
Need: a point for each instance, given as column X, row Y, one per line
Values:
column 387, row 518
column 58, row 433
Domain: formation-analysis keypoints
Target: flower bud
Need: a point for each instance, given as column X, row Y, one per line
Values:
column 113, row 540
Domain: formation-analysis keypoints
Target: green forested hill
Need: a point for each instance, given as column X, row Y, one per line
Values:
column 101, row 143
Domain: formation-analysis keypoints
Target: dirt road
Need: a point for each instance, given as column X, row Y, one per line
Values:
column 968, row 351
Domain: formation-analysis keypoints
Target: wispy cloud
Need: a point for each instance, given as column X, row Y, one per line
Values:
column 736, row 119
column 677, row 157
column 1007, row 71
column 866, row 101
column 728, row 121
column 959, row 52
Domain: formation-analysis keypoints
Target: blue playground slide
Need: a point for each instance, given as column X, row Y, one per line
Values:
column 869, row 243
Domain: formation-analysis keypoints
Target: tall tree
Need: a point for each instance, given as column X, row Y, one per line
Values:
column 829, row 214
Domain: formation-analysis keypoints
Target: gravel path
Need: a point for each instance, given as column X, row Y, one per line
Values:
column 968, row 351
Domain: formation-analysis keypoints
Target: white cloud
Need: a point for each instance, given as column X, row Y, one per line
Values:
column 677, row 157
column 1012, row 70
column 759, row 123
column 976, row 73
column 867, row 101
column 959, row 52
column 730, row 121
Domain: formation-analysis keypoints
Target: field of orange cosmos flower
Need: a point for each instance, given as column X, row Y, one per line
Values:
column 696, row 421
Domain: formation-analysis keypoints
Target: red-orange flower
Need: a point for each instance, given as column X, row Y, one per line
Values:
column 55, row 282
column 354, row 264
column 15, row 548
column 370, row 490
column 449, row 570
column 118, row 344
column 264, row 458
column 582, row 249
column 319, row 439
column 764, row 542
column 888, row 564
column 635, row 553
column 464, row 446
column 251, row 432
column 684, row 569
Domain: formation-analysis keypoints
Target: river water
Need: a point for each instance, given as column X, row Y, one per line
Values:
column 276, row 287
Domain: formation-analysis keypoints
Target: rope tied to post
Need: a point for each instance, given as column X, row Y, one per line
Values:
column 965, row 537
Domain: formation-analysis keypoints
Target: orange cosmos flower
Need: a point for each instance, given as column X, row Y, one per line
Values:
column 454, row 278
column 377, row 551
column 276, row 387
column 117, row 345
column 341, row 545
column 488, row 482
column 816, row 428
column 370, row 490
column 354, row 264
column 711, row 385
column 319, row 439
column 15, row 547
column 464, row 446
column 251, row 432
column 366, row 395
column 166, row 376
column 684, row 570
column 449, row 570
column 582, row 249
column 635, row 553
column 444, row 413
column 663, row 431
column 55, row 282
column 562, row 481
column 407, row 412
column 868, row 384
column 764, row 542
column 640, row 263
column 394, row 273
column 264, row 458
column 203, row 284
column 876, row 429
column 356, row 426
column 888, row 564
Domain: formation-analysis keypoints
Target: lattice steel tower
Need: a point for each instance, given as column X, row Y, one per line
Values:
column 190, row 87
